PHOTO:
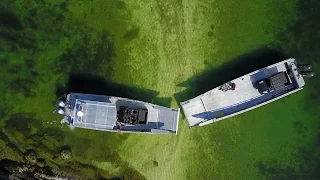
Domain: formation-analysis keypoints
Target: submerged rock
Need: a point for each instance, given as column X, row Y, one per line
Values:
column 66, row 153
column 4, row 174
column 31, row 156
column 17, row 170
column 41, row 163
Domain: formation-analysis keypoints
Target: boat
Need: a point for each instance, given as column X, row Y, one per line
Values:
column 247, row 92
column 116, row 114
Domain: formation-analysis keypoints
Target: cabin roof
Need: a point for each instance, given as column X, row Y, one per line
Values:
column 102, row 115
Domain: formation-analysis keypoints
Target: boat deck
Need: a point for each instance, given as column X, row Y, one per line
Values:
column 216, row 103
column 100, row 112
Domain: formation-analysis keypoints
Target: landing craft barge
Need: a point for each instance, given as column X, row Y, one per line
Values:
column 246, row 93
column 108, row 113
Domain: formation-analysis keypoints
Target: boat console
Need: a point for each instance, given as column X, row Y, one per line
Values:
column 276, row 82
column 132, row 116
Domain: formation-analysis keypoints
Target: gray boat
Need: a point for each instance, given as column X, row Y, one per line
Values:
column 246, row 93
column 108, row 113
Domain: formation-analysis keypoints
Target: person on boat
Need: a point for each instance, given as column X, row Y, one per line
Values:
column 233, row 86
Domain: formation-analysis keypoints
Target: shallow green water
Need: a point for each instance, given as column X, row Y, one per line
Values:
column 161, row 52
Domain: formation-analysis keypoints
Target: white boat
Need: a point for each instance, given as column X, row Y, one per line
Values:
column 116, row 114
column 246, row 93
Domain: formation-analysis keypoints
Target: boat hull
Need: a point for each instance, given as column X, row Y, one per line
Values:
column 221, row 102
column 99, row 112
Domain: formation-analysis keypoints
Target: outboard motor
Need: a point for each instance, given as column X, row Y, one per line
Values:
column 66, row 119
column 304, row 67
column 60, row 111
column 61, row 103
column 307, row 73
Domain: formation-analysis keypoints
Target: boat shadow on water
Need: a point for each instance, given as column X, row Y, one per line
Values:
column 215, row 76
column 92, row 84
